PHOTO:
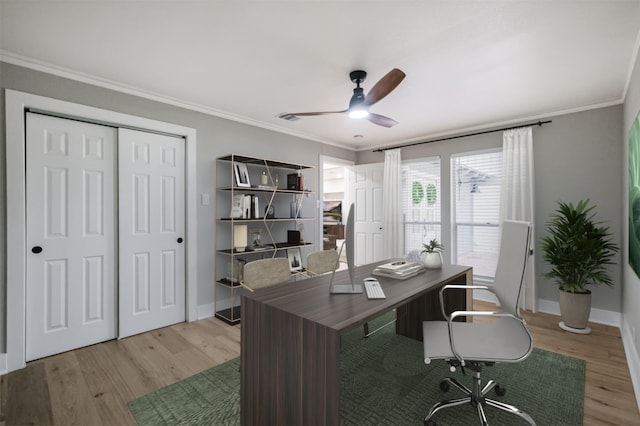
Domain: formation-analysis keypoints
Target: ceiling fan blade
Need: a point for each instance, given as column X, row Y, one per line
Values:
column 381, row 120
column 307, row 114
column 384, row 86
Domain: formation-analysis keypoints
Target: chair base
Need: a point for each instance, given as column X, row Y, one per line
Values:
column 476, row 397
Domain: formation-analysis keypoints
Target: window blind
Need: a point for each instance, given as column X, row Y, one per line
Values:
column 420, row 204
column 476, row 211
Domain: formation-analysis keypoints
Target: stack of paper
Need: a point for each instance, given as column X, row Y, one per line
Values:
column 399, row 269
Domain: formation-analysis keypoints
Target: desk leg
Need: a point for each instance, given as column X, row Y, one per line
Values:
column 427, row 307
column 290, row 371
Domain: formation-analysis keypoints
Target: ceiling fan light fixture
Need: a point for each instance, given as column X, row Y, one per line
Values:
column 358, row 113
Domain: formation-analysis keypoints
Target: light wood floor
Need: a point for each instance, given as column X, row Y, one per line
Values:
column 91, row 386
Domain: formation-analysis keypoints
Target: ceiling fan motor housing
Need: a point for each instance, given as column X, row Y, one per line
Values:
column 357, row 98
column 358, row 76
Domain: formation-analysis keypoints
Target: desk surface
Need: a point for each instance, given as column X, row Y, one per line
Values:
column 290, row 339
column 310, row 298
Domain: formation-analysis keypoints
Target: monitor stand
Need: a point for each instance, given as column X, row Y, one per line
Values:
column 346, row 289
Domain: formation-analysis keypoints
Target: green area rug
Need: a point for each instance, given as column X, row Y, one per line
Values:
column 384, row 381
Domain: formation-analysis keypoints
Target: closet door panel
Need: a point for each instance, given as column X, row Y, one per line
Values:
column 70, row 278
column 152, row 226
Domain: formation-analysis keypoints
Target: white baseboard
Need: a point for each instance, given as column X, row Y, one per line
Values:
column 206, row 311
column 633, row 360
column 599, row 316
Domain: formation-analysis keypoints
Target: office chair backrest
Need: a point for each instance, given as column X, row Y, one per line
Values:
column 320, row 262
column 512, row 261
column 266, row 272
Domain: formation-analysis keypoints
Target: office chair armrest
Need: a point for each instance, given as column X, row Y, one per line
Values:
column 456, row 314
column 460, row 287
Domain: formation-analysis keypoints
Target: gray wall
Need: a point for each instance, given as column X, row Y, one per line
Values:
column 631, row 286
column 216, row 137
column 576, row 156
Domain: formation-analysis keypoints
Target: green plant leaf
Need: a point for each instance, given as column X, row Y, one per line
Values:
column 432, row 246
column 577, row 248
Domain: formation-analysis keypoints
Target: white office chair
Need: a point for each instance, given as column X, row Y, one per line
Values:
column 321, row 262
column 265, row 272
column 471, row 345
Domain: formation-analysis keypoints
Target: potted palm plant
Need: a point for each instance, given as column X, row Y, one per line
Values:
column 432, row 254
column 578, row 249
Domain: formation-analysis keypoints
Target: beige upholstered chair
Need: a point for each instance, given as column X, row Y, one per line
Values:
column 266, row 272
column 321, row 262
column 472, row 345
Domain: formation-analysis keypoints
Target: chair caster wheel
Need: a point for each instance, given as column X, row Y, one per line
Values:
column 499, row 390
column 444, row 386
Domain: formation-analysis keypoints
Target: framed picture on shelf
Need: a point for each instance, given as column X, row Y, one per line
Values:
column 269, row 212
column 295, row 259
column 242, row 175
column 255, row 238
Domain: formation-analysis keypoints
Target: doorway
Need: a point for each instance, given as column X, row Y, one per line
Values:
column 335, row 189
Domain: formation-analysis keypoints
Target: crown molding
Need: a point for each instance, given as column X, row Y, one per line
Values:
column 48, row 68
column 22, row 61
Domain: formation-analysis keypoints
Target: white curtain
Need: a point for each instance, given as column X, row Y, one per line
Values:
column 516, row 200
column 392, row 211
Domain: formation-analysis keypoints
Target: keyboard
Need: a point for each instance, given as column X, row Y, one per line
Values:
column 373, row 289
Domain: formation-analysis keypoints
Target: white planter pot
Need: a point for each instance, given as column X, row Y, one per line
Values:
column 433, row 260
column 575, row 309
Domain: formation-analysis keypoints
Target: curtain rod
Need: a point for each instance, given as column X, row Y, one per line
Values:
column 538, row 123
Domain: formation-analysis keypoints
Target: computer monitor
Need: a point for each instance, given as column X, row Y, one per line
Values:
column 349, row 243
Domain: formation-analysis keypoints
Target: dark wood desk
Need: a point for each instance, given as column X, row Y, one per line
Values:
column 290, row 339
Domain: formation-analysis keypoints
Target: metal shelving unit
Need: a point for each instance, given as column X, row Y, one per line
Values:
column 274, row 196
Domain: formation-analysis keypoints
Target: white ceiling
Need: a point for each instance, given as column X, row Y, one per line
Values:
column 469, row 64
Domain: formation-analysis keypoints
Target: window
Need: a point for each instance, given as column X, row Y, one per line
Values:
column 475, row 188
column 420, row 203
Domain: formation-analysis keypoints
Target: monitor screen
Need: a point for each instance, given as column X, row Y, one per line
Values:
column 332, row 211
column 349, row 247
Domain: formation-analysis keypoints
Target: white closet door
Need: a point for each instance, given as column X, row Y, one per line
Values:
column 368, row 214
column 70, row 288
column 152, row 226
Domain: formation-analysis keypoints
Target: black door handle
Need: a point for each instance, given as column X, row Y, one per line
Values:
column 36, row 250
column 180, row 240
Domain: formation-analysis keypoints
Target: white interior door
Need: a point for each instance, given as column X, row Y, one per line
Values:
column 152, row 225
column 368, row 213
column 70, row 235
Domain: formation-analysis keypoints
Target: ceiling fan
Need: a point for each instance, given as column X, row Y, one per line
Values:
column 359, row 104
